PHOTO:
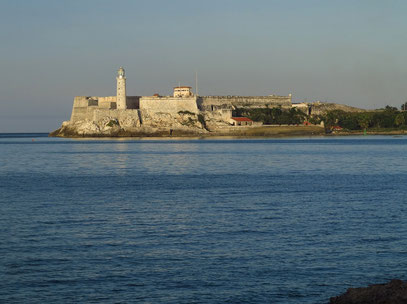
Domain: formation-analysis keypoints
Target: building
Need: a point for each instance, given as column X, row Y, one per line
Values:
column 241, row 121
column 183, row 91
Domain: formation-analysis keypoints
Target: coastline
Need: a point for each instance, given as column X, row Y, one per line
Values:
column 239, row 132
column 261, row 131
column 361, row 132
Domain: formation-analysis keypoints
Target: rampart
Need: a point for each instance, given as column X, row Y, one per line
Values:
column 208, row 103
column 94, row 107
column 96, row 113
column 84, row 106
column 167, row 104
column 99, row 114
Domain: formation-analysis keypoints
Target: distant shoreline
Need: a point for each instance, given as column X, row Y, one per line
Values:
column 238, row 132
column 361, row 132
column 212, row 135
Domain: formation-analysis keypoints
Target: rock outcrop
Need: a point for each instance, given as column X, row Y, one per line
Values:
column 394, row 292
column 159, row 124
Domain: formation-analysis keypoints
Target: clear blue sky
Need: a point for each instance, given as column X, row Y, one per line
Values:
column 351, row 52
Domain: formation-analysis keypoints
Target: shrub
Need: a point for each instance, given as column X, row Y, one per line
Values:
column 186, row 113
column 112, row 122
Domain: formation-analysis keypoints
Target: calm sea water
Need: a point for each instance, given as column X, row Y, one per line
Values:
column 199, row 221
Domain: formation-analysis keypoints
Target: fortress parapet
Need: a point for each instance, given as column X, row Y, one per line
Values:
column 168, row 104
column 211, row 102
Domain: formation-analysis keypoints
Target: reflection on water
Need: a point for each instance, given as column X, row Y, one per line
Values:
column 114, row 159
column 175, row 158
column 122, row 157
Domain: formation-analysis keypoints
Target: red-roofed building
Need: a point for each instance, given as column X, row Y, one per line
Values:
column 241, row 121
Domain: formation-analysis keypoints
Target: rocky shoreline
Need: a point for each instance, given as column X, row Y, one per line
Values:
column 258, row 131
column 72, row 131
column 394, row 292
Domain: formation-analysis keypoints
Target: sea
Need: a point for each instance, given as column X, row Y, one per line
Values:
column 288, row 220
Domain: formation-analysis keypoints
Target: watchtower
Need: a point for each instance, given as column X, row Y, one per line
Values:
column 121, row 89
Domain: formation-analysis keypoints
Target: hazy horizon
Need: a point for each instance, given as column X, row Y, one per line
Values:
column 335, row 51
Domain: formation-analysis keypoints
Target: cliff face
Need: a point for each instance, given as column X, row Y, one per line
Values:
column 142, row 124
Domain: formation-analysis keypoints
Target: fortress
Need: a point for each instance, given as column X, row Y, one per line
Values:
column 184, row 112
column 93, row 107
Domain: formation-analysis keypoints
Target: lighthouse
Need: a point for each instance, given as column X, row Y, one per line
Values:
column 121, row 89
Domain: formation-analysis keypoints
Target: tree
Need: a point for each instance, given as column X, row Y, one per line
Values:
column 350, row 122
column 334, row 117
column 399, row 120
column 390, row 108
column 275, row 115
column 364, row 120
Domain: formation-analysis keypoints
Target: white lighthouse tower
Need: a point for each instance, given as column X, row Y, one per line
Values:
column 121, row 90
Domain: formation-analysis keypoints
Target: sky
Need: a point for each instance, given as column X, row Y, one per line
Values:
column 349, row 52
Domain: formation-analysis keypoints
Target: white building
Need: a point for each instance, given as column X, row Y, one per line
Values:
column 183, row 92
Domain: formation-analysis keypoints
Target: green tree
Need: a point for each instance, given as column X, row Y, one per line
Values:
column 275, row 115
column 316, row 119
column 334, row 117
column 399, row 120
column 349, row 122
column 390, row 108
column 364, row 120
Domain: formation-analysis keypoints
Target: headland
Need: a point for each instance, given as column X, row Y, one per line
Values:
column 185, row 113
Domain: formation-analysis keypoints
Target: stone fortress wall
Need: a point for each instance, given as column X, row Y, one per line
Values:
column 99, row 114
column 168, row 104
column 84, row 107
column 93, row 108
column 212, row 102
